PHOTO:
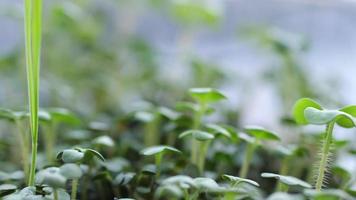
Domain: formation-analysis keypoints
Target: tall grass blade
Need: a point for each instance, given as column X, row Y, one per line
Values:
column 33, row 15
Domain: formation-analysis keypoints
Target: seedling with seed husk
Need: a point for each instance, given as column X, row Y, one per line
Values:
column 76, row 157
column 33, row 25
column 306, row 111
column 52, row 177
column 254, row 138
column 203, row 97
column 158, row 153
column 17, row 117
column 287, row 181
column 52, row 118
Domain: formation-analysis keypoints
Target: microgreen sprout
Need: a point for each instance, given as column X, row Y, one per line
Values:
column 158, row 152
column 306, row 111
column 287, row 181
column 255, row 136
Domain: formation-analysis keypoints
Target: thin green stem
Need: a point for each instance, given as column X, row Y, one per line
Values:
column 203, row 148
column 324, row 155
column 196, row 125
column 283, row 171
column 158, row 160
column 151, row 136
column 73, row 195
column 55, row 194
column 247, row 160
column 33, row 23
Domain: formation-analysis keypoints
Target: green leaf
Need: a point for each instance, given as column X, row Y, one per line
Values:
column 124, row 178
column 319, row 117
column 345, row 122
column 300, row 106
column 206, row 95
column 64, row 115
column 182, row 181
column 261, row 133
column 6, row 189
column 144, row 116
column 44, row 116
column 198, row 135
column 218, row 130
column 328, row 194
column 247, row 138
column 71, row 171
column 149, row 151
column 149, row 169
column 206, row 184
column 90, row 153
column 71, row 156
column 51, row 176
column 285, row 196
column 169, row 113
column 236, row 180
column 288, row 180
column 104, row 141
column 171, row 191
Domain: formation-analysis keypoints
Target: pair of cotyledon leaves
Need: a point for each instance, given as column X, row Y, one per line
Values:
column 307, row 111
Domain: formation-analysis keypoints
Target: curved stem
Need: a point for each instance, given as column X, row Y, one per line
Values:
column 324, row 155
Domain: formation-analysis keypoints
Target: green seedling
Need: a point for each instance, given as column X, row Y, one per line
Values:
column 40, row 192
column 152, row 118
column 203, row 97
column 33, row 25
column 52, row 177
column 77, row 156
column 52, row 118
column 203, row 140
column 158, row 153
column 236, row 184
column 255, row 136
column 287, row 181
column 185, row 187
column 6, row 189
column 17, row 117
column 235, row 181
column 306, row 111
column 288, row 154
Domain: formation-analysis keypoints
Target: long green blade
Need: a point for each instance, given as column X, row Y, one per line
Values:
column 33, row 15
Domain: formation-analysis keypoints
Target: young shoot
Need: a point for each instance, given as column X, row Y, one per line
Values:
column 158, row 153
column 306, row 111
column 287, row 181
column 73, row 158
column 255, row 136
column 33, row 23
column 203, row 98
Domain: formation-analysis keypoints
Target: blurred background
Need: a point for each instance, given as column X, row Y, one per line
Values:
column 100, row 57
